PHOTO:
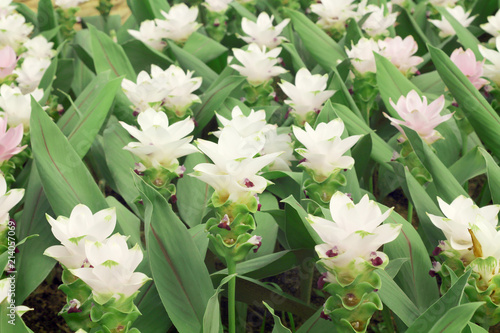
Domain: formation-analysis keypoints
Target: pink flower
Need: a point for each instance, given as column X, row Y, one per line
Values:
column 10, row 140
column 419, row 116
column 8, row 61
column 466, row 62
column 401, row 53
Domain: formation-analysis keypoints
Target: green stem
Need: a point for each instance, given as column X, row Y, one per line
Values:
column 410, row 211
column 464, row 151
column 231, row 269
column 386, row 314
column 306, row 281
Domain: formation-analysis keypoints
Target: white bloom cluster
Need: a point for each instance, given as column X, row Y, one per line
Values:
column 104, row 263
column 262, row 32
column 458, row 12
column 16, row 106
column 171, row 89
column 178, row 25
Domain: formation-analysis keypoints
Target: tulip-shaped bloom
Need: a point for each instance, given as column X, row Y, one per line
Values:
column 333, row 14
column 31, row 72
column 179, row 23
column 39, row 47
column 308, row 94
column 258, row 65
column 355, row 233
column 377, row 22
column 401, row 53
column 460, row 216
column 66, row 4
column 160, row 144
column 10, row 140
column 459, row 14
column 16, row 106
column 324, row 149
column 179, row 87
column 262, row 32
column 275, row 143
column 217, row 6
column 472, row 69
column 419, row 116
column 492, row 71
column 362, row 57
column 111, row 271
column 147, row 92
column 150, row 34
column 7, row 201
column 8, row 61
column 14, row 30
column 73, row 231
column 493, row 25
column 234, row 172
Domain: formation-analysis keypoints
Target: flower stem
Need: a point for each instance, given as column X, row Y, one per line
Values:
column 231, row 269
column 410, row 212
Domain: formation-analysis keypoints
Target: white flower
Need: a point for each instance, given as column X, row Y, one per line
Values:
column 150, row 34
column 362, row 57
column 39, row 47
column 112, row 269
column 16, row 106
column 258, row 65
column 7, row 289
column 377, row 22
column 492, row 71
column 6, row 8
column 275, row 143
column 324, row 149
column 355, row 232
column 14, row 30
column 217, row 6
column 147, row 92
column 31, row 72
column 459, row 14
column 73, row 231
column 461, row 215
column 7, row 201
column 66, row 4
column 179, row 87
column 262, row 32
column 493, row 25
column 160, row 144
column 419, row 116
column 449, row 3
column 401, row 53
column 179, row 23
column 333, row 14
column 308, row 94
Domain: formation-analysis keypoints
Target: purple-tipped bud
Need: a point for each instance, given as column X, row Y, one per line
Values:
column 257, row 241
column 437, row 251
column 259, row 206
column 375, row 259
column 325, row 316
column 180, row 171
column 322, row 280
column 173, row 199
column 436, row 268
column 74, row 306
column 135, row 113
column 224, row 223
column 455, row 104
column 287, row 114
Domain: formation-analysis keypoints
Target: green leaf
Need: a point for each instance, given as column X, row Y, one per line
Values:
column 211, row 318
column 342, row 95
column 353, row 33
column 456, row 318
column 297, row 61
column 11, row 323
column 26, row 11
column 429, row 83
column 148, row 9
column 141, row 56
column 46, row 16
column 278, row 326
column 321, row 46
column 130, row 224
column 316, row 324
column 479, row 112
column 493, row 173
column 243, row 11
column 180, row 274
column 203, row 47
column 407, row 26
column 299, row 232
column 154, row 319
column 468, row 166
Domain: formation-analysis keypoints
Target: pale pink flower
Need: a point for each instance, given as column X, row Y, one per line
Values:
column 8, row 61
column 419, row 116
column 401, row 53
column 466, row 62
column 10, row 140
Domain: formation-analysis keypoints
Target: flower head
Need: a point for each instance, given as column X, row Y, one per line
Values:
column 401, row 53
column 16, row 106
column 493, row 25
column 160, row 144
column 258, row 65
column 278, row 143
column 492, row 71
column 179, row 23
column 10, row 140
column 362, row 57
column 39, row 47
column 8, row 61
column 8, row 199
column 472, row 69
column 217, row 6
column 333, row 14
column 324, row 149
column 378, row 21
column 419, row 116
column 459, row 14
column 262, row 32
column 14, row 30
column 150, row 34
column 31, row 72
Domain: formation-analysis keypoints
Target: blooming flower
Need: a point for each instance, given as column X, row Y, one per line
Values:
column 262, row 32
column 333, row 14
column 73, row 231
column 466, row 62
column 459, row 14
column 275, row 143
column 460, row 216
column 308, row 94
column 16, row 106
column 31, row 72
column 39, row 47
column 14, row 30
column 493, row 25
column 7, row 201
column 377, row 22
column 10, row 140
column 217, row 6
column 6, row 8
column 179, row 23
column 8, row 61
column 362, row 57
column 66, row 4
column 324, row 149
column 160, row 144
column 355, row 232
column 147, row 92
column 419, row 116
column 150, row 34
column 258, row 65
column 401, row 53
column 111, row 271
column 492, row 71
